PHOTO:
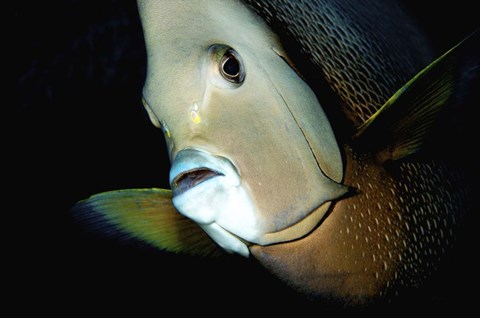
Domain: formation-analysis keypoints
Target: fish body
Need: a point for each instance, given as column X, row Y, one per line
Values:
column 391, row 235
column 333, row 195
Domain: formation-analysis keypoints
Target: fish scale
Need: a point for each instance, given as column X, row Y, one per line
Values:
column 379, row 240
column 363, row 66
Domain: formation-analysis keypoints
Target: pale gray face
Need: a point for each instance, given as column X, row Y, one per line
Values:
column 253, row 155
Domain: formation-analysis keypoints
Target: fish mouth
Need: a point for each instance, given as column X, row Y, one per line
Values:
column 192, row 167
column 184, row 181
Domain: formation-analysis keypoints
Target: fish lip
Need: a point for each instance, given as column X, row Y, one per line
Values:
column 188, row 179
column 192, row 167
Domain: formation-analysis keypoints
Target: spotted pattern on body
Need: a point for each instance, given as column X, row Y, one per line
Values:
column 389, row 235
column 364, row 67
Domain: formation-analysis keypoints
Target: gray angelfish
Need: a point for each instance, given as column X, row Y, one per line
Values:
column 258, row 168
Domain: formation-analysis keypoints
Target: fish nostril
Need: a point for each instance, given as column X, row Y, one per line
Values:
column 189, row 179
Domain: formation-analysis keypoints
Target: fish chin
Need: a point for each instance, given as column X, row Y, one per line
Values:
column 216, row 199
column 221, row 208
column 226, row 240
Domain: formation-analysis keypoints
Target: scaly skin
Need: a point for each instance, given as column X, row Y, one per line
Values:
column 365, row 50
column 390, row 234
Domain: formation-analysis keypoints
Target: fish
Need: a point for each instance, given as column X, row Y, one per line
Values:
column 297, row 134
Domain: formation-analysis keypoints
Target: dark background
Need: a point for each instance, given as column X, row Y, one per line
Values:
column 78, row 128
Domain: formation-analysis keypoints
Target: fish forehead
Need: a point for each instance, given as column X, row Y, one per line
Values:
column 184, row 24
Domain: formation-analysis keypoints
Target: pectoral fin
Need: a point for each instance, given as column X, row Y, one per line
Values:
column 399, row 128
column 147, row 215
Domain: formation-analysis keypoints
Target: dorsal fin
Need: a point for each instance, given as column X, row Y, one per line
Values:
column 400, row 126
column 146, row 215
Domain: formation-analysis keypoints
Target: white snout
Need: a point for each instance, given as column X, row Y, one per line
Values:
column 208, row 189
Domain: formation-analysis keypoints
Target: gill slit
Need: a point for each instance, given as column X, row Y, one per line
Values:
column 299, row 127
column 287, row 61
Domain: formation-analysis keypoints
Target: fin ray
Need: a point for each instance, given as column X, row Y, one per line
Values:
column 399, row 128
column 146, row 215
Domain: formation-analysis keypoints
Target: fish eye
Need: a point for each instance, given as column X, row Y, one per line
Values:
column 231, row 67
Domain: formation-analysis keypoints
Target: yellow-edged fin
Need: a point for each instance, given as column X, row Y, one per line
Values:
column 147, row 215
column 400, row 126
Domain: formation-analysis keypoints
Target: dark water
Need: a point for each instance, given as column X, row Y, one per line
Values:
column 78, row 128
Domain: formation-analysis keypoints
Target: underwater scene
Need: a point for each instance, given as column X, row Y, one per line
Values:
column 241, row 155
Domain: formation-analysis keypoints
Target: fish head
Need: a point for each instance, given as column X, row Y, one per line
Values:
column 253, row 156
